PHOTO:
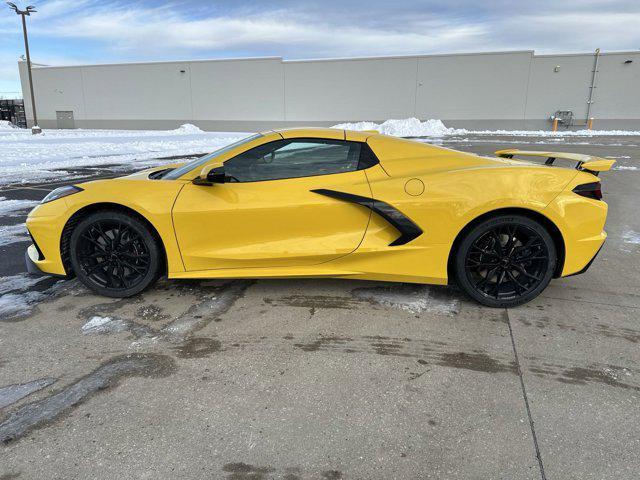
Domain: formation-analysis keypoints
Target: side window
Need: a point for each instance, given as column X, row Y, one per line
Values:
column 293, row 158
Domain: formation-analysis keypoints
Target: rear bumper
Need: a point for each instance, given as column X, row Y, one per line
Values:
column 586, row 267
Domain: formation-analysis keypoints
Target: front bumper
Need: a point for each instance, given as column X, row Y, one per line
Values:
column 32, row 260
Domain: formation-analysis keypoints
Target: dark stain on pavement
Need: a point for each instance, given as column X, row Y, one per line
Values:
column 331, row 475
column 198, row 347
column 244, row 471
column 602, row 329
column 105, row 308
column 42, row 412
column 593, row 374
column 314, row 302
column 10, row 476
column 322, row 343
column 425, row 352
column 479, row 362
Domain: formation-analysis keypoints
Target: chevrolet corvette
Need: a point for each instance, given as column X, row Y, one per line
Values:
column 331, row 203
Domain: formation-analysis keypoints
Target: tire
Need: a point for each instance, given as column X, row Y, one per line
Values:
column 114, row 254
column 505, row 261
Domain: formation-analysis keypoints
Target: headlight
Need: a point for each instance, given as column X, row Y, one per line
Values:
column 61, row 192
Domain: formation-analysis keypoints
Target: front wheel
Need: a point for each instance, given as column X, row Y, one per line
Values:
column 505, row 261
column 114, row 254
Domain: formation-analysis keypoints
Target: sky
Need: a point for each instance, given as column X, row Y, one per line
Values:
column 65, row 32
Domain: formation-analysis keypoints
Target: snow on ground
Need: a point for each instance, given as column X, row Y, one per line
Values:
column 6, row 125
column 26, row 158
column 12, row 233
column 10, row 207
column 16, row 297
column 629, row 236
column 19, row 282
column 412, row 127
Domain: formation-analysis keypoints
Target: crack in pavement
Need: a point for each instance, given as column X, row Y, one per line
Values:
column 525, row 398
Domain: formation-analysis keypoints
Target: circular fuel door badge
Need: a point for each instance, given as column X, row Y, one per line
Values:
column 414, row 187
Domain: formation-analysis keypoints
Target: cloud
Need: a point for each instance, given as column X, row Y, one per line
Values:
column 276, row 32
column 299, row 29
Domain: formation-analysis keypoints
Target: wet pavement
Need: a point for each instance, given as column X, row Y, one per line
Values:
column 327, row 379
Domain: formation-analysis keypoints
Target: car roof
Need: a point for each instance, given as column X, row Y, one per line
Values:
column 331, row 133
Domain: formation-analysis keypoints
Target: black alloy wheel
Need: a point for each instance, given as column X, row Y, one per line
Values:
column 506, row 261
column 114, row 254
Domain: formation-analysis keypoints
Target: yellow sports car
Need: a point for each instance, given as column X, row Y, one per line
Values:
column 330, row 203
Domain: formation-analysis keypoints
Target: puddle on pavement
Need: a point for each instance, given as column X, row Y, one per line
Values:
column 44, row 411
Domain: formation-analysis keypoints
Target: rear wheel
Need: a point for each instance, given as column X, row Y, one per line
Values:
column 114, row 254
column 505, row 261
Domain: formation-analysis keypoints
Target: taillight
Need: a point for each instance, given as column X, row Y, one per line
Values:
column 589, row 190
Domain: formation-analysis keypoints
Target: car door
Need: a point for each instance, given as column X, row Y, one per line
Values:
column 267, row 215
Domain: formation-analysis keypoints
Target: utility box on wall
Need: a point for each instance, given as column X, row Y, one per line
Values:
column 64, row 119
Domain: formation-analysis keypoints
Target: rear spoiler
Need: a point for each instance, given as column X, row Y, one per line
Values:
column 587, row 163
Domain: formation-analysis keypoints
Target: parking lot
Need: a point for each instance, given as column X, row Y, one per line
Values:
column 329, row 379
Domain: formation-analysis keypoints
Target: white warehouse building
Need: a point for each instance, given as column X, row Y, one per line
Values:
column 513, row 90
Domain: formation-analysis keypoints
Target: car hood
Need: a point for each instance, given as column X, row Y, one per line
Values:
column 148, row 171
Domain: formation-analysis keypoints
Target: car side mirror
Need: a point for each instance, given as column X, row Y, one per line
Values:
column 208, row 176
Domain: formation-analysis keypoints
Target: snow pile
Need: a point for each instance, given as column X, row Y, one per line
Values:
column 186, row 129
column 6, row 125
column 413, row 127
column 408, row 127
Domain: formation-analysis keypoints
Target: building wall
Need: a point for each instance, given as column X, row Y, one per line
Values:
column 482, row 90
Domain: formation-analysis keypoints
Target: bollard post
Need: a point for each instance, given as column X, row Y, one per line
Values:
column 555, row 124
column 590, row 124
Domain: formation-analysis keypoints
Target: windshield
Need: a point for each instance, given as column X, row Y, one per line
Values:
column 199, row 162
